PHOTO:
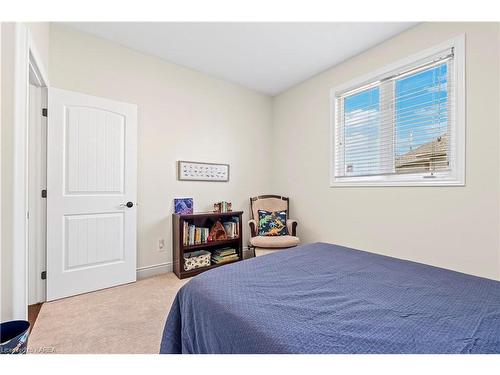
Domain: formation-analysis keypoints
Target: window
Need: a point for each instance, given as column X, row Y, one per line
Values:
column 403, row 125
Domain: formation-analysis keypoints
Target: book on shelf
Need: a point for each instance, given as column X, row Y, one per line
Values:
column 191, row 238
column 218, row 260
column 232, row 227
column 185, row 234
column 194, row 235
column 199, row 236
column 225, row 251
column 223, row 255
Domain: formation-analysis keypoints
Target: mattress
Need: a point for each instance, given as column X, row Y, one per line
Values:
column 323, row 298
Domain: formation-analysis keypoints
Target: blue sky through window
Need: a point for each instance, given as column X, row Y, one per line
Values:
column 361, row 122
column 420, row 112
column 421, row 108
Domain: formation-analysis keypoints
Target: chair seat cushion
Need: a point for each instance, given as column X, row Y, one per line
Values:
column 274, row 241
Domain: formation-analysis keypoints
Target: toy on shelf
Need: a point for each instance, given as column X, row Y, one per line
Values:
column 218, row 233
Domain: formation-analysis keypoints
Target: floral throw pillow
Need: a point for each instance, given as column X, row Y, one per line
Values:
column 272, row 223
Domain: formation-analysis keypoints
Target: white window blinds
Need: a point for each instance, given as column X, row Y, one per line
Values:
column 399, row 123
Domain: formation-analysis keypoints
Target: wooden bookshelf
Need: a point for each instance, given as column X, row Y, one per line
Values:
column 205, row 220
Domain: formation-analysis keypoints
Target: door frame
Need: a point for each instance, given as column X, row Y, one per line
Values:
column 37, row 181
column 27, row 59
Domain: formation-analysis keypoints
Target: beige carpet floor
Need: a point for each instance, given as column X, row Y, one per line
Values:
column 123, row 319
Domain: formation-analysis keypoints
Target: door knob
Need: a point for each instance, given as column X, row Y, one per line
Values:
column 128, row 204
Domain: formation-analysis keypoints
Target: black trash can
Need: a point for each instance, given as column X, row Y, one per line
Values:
column 14, row 337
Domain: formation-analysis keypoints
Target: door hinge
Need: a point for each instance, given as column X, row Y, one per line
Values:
column 44, row 275
column 44, row 112
column 44, row 193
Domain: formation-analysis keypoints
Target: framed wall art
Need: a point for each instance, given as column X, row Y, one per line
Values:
column 183, row 206
column 200, row 171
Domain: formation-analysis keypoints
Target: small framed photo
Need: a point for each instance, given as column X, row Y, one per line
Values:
column 200, row 171
column 183, row 206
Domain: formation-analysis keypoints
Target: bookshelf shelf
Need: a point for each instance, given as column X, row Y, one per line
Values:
column 197, row 271
column 203, row 220
column 230, row 241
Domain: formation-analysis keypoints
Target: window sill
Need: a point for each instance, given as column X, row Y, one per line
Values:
column 410, row 180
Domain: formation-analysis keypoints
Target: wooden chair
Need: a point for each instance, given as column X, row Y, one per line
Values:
column 271, row 243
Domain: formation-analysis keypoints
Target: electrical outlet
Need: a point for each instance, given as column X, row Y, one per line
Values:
column 161, row 244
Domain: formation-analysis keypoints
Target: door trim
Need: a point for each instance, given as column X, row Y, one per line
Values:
column 26, row 57
column 37, row 171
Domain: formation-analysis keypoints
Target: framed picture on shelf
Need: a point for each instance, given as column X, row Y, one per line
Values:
column 200, row 171
column 183, row 206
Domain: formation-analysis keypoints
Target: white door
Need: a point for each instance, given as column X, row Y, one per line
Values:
column 91, row 193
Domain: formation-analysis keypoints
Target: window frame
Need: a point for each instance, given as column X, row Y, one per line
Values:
column 454, row 177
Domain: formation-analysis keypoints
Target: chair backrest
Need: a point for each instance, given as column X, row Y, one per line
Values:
column 268, row 203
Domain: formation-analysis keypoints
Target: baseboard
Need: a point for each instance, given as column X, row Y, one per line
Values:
column 155, row 269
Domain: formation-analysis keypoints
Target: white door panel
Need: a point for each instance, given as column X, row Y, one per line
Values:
column 95, row 157
column 91, row 175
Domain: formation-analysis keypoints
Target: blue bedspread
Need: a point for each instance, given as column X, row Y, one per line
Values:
column 322, row 298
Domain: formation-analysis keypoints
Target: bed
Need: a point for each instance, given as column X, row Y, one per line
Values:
column 323, row 298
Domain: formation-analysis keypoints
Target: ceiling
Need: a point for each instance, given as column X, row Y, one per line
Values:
column 266, row 57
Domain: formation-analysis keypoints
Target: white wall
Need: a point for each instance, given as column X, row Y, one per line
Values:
column 183, row 115
column 6, row 137
column 450, row 227
column 40, row 34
